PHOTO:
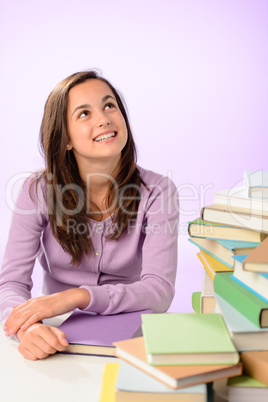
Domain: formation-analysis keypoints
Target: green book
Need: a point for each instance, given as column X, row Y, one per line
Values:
column 245, row 381
column 254, row 308
column 187, row 338
column 246, row 389
column 196, row 302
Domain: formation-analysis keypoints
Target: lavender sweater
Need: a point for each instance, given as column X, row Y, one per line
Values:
column 136, row 272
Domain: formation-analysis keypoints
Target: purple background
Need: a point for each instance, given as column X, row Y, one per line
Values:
column 194, row 76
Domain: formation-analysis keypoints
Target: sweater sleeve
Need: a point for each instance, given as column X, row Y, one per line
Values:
column 156, row 287
column 22, row 248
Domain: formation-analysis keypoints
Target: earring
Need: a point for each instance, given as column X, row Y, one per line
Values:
column 68, row 145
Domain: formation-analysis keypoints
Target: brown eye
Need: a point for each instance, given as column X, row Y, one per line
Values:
column 109, row 106
column 84, row 113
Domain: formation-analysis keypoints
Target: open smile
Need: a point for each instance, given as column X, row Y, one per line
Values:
column 105, row 137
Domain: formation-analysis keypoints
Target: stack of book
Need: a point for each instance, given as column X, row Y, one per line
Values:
column 232, row 236
column 177, row 357
column 253, row 384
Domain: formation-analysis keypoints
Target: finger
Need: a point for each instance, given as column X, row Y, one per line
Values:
column 55, row 338
column 32, row 352
column 16, row 321
column 27, row 354
column 32, row 320
column 61, row 338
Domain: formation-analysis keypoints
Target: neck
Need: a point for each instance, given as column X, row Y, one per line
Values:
column 99, row 174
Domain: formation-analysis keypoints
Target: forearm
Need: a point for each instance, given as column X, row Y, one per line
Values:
column 35, row 310
column 149, row 294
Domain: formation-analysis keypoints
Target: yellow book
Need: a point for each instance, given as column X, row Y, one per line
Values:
column 108, row 382
column 211, row 264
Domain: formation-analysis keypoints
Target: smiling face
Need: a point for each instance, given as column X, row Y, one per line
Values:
column 96, row 127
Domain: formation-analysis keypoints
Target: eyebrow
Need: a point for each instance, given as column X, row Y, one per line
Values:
column 86, row 105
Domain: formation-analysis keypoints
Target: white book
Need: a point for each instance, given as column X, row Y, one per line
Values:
column 256, row 183
column 238, row 197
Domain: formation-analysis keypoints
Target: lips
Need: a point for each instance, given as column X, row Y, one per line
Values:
column 105, row 136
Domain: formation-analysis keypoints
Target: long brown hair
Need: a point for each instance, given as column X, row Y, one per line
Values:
column 66, row 191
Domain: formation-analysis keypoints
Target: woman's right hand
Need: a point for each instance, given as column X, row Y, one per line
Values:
column 39, row 341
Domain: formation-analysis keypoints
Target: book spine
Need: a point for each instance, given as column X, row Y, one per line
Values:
column 239, row 297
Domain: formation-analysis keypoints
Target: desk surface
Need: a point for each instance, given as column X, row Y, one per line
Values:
column 60, row 377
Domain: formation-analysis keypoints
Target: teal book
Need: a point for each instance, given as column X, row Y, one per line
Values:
column 187, row 338
column 133, row 383
column 253, row 307
column 224, row 250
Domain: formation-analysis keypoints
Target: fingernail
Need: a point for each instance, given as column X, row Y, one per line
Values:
column 5, row 328
column 10, row 331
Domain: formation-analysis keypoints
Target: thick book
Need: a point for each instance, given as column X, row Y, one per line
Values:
column 187, row 338
column 134, row 385
column 255, row 281
column 242, row 299
column 212, row 265
column 238, row 197
column 94, row 334
column 217, row 231
column 233, row 216
column 255, row 365
column 133, row 351
column 224, row 250
column 256, row 183
column 246, row 389
column 245, row 335
column 257, row 260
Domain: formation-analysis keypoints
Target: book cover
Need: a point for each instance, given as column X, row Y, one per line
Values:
column 245, row 335
column 242, row 299
column 214, row 230
column 109, row 378
column 255, row 281
column 133, row 351
column 187, row 338
column 211, row 264
column 257, row 260
column 233, row 216
column 133, row 385
column 255, row 364
column 89, row 333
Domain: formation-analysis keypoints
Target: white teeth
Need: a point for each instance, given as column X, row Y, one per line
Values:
column 105, row 137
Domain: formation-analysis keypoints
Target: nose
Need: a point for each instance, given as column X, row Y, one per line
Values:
column 102, row 119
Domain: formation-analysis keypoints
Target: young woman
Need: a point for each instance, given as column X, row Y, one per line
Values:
column 103, row 228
